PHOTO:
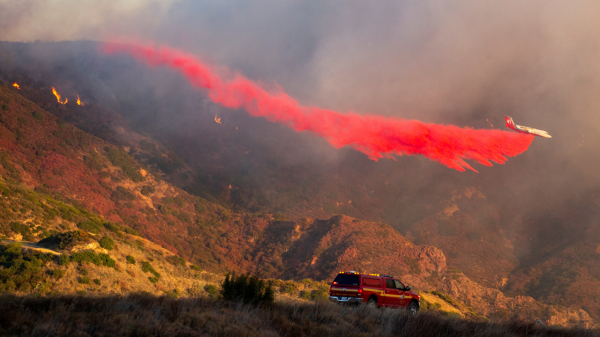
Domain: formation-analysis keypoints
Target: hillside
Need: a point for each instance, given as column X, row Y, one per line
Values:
column 566, row 274
column 249, row 165
column 70, row 180
column 45, row 154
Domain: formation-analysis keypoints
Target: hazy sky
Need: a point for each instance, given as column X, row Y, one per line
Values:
column 408, row 58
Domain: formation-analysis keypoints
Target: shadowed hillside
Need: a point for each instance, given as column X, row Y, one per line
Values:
column 141, row 315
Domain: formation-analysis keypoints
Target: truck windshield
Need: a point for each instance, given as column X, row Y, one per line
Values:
column 349, row 280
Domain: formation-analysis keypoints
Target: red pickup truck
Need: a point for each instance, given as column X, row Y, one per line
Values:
column 373, row 289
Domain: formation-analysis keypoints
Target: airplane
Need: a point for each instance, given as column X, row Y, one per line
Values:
column 524, row 129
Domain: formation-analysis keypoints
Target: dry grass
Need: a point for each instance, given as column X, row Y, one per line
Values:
column 141, row 315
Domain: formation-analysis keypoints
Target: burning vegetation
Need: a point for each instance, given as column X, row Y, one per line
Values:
column 16, row 85
column 58, row 96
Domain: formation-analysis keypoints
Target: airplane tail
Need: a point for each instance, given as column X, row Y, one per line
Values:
column 509, row 122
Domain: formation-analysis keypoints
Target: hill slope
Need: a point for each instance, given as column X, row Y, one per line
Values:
column 86, row 182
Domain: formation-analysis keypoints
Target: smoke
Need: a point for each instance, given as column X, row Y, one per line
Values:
column 30, row 20
column 374, row 135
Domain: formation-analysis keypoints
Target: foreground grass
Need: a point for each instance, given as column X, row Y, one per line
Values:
column 141, row 315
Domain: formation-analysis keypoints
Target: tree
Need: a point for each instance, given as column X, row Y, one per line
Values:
column 248, row 289
column 107, row 243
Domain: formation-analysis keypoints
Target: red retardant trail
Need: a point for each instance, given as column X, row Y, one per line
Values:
column 374, row 135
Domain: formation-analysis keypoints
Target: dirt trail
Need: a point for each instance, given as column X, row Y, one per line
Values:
column 33, row 246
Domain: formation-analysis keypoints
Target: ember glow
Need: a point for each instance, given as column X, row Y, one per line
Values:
column 374, row 135
column 78, row 101
column 58, row 96
column 218, row 120
column 16, row 86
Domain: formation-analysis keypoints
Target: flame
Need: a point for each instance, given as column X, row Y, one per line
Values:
column 218, row 120
column 58, row 96
column 16, row 85
column 78, row 101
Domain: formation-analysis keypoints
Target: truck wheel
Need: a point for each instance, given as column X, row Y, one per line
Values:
column 413, row 308
column 372, row 302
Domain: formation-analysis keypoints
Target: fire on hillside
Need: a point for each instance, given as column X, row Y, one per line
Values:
column 16, row 85
column 58, row 96
column 79, row 102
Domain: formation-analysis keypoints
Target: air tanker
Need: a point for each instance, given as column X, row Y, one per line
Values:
column 524, row 129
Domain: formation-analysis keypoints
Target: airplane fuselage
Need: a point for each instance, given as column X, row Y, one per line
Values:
column 525, row 129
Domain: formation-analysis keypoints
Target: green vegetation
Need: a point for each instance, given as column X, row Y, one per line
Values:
column 147, row 190
column 5, row 161
column 131, row 231
column 21, row 271
column 120, row 158
column 321, row 294
column 90, row 227
column 147, row 267
column 93, row 162
column 66, row 240
column 305, row 294
column 212, row 290
column 84, row 280
column 58, row 273
column 248, row 289
column 116, row 228
column 73, row 213
column 445, row 297
column 184, row 217
column 39, row 116
column 454, row 270
column 90, row 256
column 196, row 267
column 289, row 288
column 122, row 194
column 179, row 201
column 130, row 259
column 63, row 259
column 176, row 260
column 107, row 243
column 200, row 208
column 24, row 230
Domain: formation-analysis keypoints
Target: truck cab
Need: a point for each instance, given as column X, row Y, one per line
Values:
column 374, row 290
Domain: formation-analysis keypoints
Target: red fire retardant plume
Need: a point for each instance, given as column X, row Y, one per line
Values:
column 374, row 135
